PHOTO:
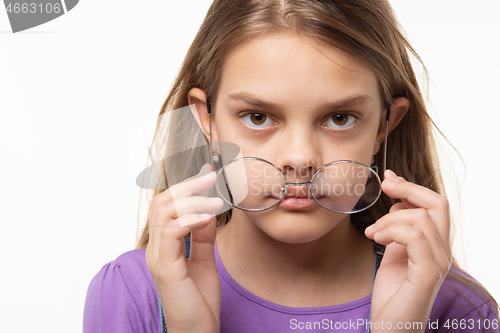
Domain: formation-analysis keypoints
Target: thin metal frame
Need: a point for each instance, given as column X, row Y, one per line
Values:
column 305, row 183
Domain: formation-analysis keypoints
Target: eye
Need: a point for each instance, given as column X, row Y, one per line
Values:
column 257, row 120
column 341, row 120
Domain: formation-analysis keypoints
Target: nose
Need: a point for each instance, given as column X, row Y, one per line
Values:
column 299, row 155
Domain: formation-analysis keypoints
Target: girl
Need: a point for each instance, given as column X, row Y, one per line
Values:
column 297, row 85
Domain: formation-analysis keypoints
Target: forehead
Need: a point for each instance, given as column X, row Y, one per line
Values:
column 294, row 70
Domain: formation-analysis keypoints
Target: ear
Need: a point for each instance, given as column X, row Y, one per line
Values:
column 197, row 97
column 399, row 108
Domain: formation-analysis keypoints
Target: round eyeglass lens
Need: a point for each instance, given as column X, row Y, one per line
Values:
column 250, row 184
column 254, row 184
column 346, row 187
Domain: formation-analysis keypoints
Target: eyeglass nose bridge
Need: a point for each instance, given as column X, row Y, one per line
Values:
column 297, row 183
column 289, row 183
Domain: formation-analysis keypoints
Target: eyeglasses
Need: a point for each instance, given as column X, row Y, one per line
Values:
column 254, row 184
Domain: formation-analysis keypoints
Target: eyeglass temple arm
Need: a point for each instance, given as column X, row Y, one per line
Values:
column 209, row 111
column 387, row 118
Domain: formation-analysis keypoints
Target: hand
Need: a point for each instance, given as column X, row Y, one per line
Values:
column 417, row 257
column 189, row 289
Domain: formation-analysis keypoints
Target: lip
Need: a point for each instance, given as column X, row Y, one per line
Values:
column 297, row 203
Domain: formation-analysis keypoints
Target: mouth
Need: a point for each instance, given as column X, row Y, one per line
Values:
column 297, row 203
column 297, row 198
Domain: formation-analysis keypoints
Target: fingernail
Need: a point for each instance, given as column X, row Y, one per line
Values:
column 391, row 178
column 370, row 227
column 204, row 217
column 215, row 199
column 206, row 169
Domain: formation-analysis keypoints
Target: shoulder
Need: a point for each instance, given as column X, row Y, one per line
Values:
column 122, row 293
column 462, row 299
column 130, row 267
column 134, row 260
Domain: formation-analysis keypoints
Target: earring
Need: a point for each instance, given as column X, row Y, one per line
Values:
column 373, row 161
column 215, row 156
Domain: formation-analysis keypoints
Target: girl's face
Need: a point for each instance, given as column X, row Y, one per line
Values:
column 298, row 104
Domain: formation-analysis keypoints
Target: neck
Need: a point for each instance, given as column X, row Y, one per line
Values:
column 340, row 261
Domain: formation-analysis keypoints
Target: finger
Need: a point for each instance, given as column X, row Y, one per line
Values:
column 167, row 215
column 417, row 245
column 198, row 205
column 191, row 220
column 410, row 193
column 172, row 210
column 168, row 231
column 398, row 206
column 412, row 217
column 202, row 244
column 206, row 171
column 419, row 196
column 203, row 231
column 418, row 218
column 196, row 185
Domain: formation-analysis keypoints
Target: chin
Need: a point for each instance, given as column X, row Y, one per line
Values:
column 297, row 228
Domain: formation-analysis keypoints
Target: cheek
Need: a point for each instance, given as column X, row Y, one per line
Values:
column 364, row 150
column 227, row 130
column 247, row 146
column 359, row 149
column 363, row 147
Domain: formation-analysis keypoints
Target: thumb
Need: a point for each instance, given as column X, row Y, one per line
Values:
column 205, row 170
column 390, row 186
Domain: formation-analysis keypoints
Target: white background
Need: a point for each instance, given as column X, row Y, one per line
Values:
column 73, row 90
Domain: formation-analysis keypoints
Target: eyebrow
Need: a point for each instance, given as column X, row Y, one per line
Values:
column 250, row 99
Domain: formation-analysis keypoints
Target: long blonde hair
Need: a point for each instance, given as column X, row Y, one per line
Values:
column 366, row 29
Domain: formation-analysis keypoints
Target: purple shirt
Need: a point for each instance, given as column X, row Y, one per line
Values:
column 122, row 297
